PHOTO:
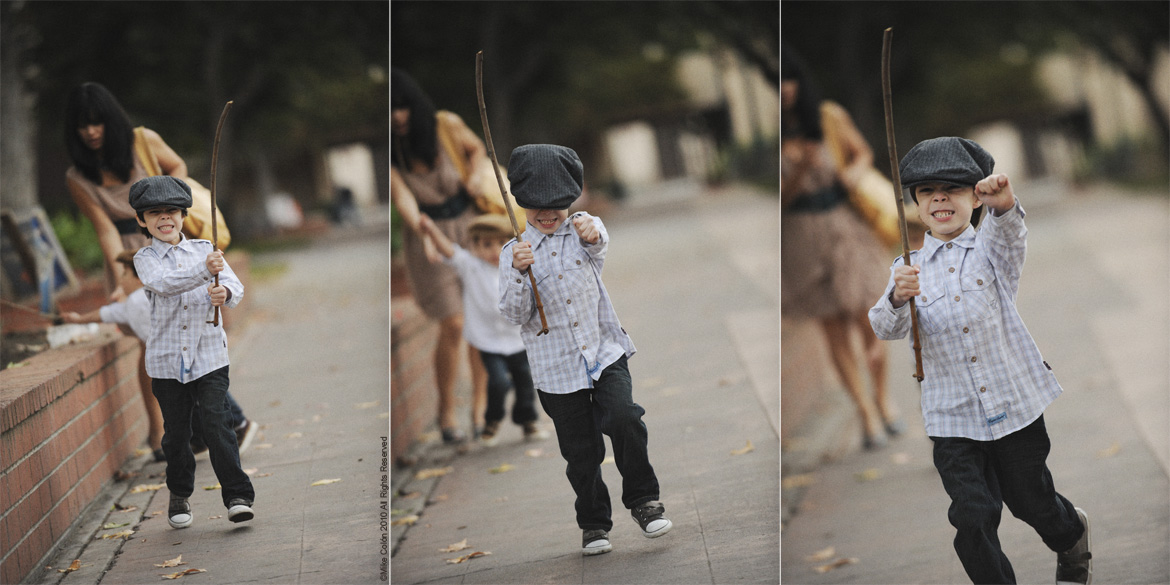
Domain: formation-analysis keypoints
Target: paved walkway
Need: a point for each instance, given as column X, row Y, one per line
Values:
column 1094, row 297
column 311, row 368
column 695, row 283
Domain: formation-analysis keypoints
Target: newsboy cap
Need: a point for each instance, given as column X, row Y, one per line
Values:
column 545, row 176
column 159, row 191
column 949, row 159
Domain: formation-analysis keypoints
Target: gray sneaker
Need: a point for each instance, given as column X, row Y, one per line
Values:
column 649, row 517
column 1075, row 565
column 179, row 513
column 595, row 542
column 239, row 510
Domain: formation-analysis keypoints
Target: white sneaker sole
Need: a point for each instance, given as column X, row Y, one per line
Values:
column 180, row 520
column 240, row 513
column 660, row 531
column 595, row 548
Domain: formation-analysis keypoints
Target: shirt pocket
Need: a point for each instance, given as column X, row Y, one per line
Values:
column 981, row 300
column 932, row 311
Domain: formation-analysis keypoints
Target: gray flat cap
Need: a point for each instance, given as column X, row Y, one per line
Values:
column 957, row 161
column 545, row 176
column 160, row 191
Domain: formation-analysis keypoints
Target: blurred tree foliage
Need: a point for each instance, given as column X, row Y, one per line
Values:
column 302, row 75
column 563, row 71
column 958, row 64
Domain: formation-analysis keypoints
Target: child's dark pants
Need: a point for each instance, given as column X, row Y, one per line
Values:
column 580, row 419
column 177, row 401
column 981, row 476
column 499, row 367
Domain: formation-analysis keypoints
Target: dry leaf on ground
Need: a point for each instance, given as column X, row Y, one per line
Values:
column 293, row 436
column 405, row 520
column 468, row 557
column 75, row 565
column 113, row 525
column 409, row 495
column 121, row 508
column 183, row 573
column 124, row 535
column 262, row 446
column 745, row 449
column 212, row 487
column 1109, row 451
column 796, row 481
column 835, row 564
column 175, row 562
column 147, row 487
column 502, row 468
column 364, row 405
column 216, row 517
column 433, row 472
column 534, row 453
column 325, row 481
column 868, row 475
column 822, row 555
column 458, row 546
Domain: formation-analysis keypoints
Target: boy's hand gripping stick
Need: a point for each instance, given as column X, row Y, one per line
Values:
column 487, row 135
column 214, row 222
column 888, row 99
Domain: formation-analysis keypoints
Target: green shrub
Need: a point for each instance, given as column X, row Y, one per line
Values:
column 79, row 240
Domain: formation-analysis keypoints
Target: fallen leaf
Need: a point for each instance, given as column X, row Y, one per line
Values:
column 383, row 414
column 147, row 487
column 215, row 517
column 124, row 535
column 75, row 565
column 835, row 564
column 534, row 453
column 364, row 405
column 405, row 520
column 467, row 557
column 433, row 472
column 1109, row 451
column 262, row 446
column 266, row 474
column 409, row 495
column 274, row 403
column 502, row 468
column 437, row 499
column 325, row 481
column 293, row 436
column 175, row 562
column 139, row 452
column 745, row 449
column 111, row 525
column 213, row 487
column 121, row 508
column 458, row 546
column 900, row 458
column 798, row 481
column 501, row 499
column 123, row 475
column 182, row 573
column 868, row 475
column 822, row 555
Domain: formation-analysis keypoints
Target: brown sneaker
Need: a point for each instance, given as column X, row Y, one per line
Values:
column 489, row 437
column 534, row 433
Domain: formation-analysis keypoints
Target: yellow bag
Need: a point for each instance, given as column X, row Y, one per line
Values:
column 873, row 196
column 197, row 224
column 491, row 201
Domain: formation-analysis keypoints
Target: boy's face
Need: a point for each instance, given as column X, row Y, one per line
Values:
column 946, row 209
column 163, row 223
column 546, row 221
column 487, row 248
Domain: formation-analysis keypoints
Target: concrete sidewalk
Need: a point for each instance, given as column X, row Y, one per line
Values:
column 695, row 284
column 1093, row 294
column 311, row 368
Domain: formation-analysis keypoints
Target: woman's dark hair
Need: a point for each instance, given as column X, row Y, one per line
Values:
column 91, row 103
column 421, row 142
column 806, row 121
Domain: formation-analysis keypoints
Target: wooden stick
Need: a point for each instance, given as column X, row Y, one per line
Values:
column 214, row 221
column 487, row 135
column 887, row 98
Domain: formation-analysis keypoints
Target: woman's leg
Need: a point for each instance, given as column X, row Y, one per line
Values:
column 837, row 332
column 447, row 367
column 479, row 381
column 153, row 414
column 875, row 358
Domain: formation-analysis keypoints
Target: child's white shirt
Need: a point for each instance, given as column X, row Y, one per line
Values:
column 483, row 325
column 134, row 311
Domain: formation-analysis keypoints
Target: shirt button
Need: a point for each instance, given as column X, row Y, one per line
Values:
column 554, row 253
column 184, row 349
column 951, row 269
column 574, row 323
column 184, row 307
column 184, row 328
column 560, row 277
column 924, row 298
column 949, row 246
column 983, row 388
column 956, row 298
column 569, row 301
column 966, row 330
column 979, row 282
column 584, row 347
column 973, row 358
column 578, row 263
column 519, row 280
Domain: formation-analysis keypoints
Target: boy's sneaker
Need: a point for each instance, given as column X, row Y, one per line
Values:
column 595, row 542
column 239, row 510
column 489, row 436
column 534, row 433
column 1075, row 565
column 179, row 513
column 245, row 433
column 649, row 517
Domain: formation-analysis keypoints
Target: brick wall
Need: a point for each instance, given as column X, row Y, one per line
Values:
column 413, row 399
column 69, row 418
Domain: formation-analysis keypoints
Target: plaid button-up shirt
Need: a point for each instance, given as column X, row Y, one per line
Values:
column 984, row 375
column 182, row 345
column 584, row 335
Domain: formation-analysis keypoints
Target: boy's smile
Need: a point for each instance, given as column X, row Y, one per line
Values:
column 164, row 223
column 546, row 220
column 946, row 209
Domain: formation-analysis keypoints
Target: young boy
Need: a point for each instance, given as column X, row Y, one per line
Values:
column 497, row 340
column 186, row 356
column 986, row 385
column 579, row 367
column 134, row 311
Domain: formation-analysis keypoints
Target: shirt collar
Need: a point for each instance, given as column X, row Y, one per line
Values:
column 931, row 244
column 162, row 247
column 539, row 236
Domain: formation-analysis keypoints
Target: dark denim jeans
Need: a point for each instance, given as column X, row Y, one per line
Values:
column 499, row 368
column 982, row 476
column 178, row 401
column 235, row 417
column 580, row 419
